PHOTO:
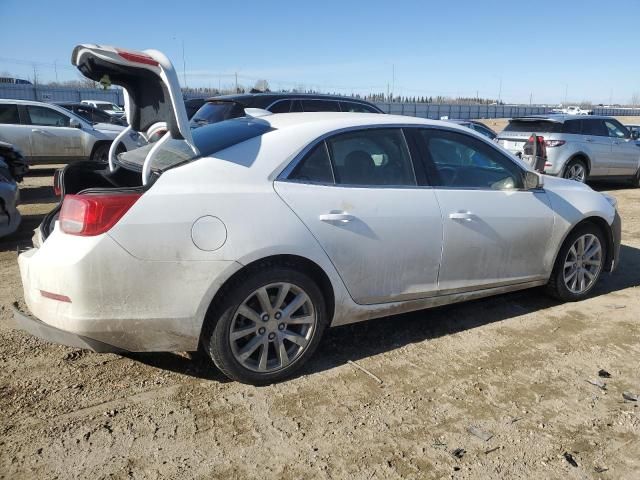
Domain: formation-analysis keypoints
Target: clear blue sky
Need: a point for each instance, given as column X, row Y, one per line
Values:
column 589, row 48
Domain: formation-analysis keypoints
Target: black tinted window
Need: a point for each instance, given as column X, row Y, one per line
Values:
column 533, row 126
column 9, row 114
column 320, row 106
column 315, row 167
column 282, row 106
column 458, row 160
column 371, row 157
column 296, row 106
column 594, row 127
column 213, row 112
column 356, row 107
column 572, row 127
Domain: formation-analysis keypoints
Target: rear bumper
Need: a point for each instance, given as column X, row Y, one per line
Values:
column 37, row 328
column 115, row 301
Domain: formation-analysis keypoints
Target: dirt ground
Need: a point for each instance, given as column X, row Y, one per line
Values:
column 515, row 367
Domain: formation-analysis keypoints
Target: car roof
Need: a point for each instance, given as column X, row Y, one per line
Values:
column 268, row 98
column 560, row 118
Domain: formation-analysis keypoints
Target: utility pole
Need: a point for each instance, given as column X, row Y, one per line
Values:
column 35, row 75
column 55, row 69
column 530, row 98
column 236, row 82
column 393, row 80
column 184, row 66
column 387, row 91
column 500, row 92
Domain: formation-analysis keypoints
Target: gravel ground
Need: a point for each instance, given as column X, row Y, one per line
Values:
column 514, row 367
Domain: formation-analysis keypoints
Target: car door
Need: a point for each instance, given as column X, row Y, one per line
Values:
column 625, row 153
column 359, row 195
column 52, row 137
column 13, row 131
column 597, row 144
column 494, row 232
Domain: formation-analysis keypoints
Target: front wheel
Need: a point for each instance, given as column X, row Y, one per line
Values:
column 579, row 264
column 266, row 326
column 576, row 170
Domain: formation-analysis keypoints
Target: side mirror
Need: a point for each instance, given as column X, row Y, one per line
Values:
column 73, row 123
column 635, row 135
column 533, row 181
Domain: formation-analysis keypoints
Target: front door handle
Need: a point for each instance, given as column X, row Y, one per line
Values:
column 464, row 216
column 590, row 140
column 336, row 217
column 37, row 130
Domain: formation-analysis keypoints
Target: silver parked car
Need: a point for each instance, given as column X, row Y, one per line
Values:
column 579, row 148
column 49, row 134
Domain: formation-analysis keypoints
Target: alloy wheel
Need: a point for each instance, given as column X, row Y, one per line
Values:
column 272, row 327
column 583, row 264
column 576, row 172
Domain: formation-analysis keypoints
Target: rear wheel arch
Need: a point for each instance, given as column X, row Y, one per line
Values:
column 302, row 264
column 580, row 156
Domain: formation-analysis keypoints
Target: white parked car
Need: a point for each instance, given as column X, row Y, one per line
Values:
column 107, row 107
column 49, row 134
column 249, row 237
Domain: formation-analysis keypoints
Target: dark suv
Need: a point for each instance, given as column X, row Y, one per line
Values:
column 224, row 107
column 91, row 114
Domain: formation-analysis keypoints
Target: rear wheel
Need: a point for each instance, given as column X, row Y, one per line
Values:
column 579, row 264
column 101, row 152
column 266, row 326
column 576, row 170
column 635, row 180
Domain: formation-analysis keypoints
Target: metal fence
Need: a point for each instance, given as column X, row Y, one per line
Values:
column 424, row 110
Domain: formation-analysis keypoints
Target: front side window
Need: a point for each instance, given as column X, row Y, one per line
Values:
column 460, row 161
column 372, row 157
column 9, row 114
column 46, row 117
column 320, row 106
column 615, row 130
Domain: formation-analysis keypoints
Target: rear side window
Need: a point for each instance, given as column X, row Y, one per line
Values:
column 320, row 106
column 356, row 107
column 371, row 157
column 531, row 126
column 315, row 167
column 572, row 127
column 594, row 127
column 46, row 117
column 213, row 112
column 283, row 106
column 9, row 113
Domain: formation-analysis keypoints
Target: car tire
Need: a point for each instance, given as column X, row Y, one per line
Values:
column 240, row 328
column 101, row 153
column 562, row 285
column 635, row 180
column 576, row 170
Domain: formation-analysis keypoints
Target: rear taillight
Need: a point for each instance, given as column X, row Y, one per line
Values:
column 554, row 143
column 57, row 183
column 89, row 215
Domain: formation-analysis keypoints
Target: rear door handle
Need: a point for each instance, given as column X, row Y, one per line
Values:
column 464, row 216
column 336, row 217
column 590, row 140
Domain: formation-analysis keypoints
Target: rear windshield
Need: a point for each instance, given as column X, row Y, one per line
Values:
column 208, row 139
column 213, row 112
column 537, row 126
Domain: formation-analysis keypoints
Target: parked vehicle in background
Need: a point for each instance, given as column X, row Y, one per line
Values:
column 9, row 192
column 250, row 236
column 193, row 105
column 225, row 107
column 108, row 107
column 92, row 114
column 573, row 110
column 49, row 134
column 478, row 127
column 578, row 148
column 15, row 161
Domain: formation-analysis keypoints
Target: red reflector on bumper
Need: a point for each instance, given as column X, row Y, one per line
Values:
column 55, row 296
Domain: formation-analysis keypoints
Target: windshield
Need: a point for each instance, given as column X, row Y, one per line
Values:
column 213, row 112
column 538, row 126
column 108, row 106
column 208, row 140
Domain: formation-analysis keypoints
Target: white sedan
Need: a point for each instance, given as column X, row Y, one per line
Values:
column 249, row 237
